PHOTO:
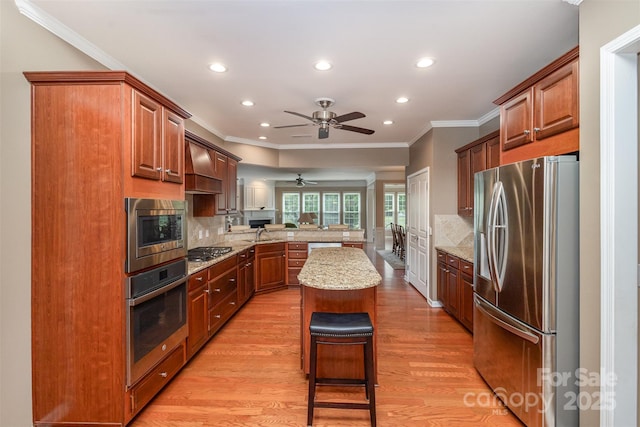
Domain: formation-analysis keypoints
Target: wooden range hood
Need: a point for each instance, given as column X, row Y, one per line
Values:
column 199, row 170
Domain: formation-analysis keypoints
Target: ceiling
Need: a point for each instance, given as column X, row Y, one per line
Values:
column 481, row 50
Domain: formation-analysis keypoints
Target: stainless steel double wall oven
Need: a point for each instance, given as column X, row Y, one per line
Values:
column 156, row 287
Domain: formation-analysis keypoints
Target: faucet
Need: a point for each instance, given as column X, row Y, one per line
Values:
column 259, row 231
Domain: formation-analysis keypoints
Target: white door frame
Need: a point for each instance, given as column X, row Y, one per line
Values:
column 618, row 229
column 423, row 271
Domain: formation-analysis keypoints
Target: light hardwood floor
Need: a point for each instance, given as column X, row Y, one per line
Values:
column 249, row 374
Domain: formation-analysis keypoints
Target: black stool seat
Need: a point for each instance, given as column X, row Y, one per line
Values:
column 341, row 324
column 342, row 329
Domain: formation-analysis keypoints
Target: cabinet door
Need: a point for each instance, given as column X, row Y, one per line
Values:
column 493, row 152
column 173, row 148
column 477, row 163
column 198, row 322
column 232, row 185
column 466, row 301
column 442, row 284
column 453, row 294
column 147, row 125
column 556, row 102
column 271, row 270
column 463, row 183
column 516, row 119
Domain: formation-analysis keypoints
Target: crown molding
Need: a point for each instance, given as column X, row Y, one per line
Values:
column 56, row 27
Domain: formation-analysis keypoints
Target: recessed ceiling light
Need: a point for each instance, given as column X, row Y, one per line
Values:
column 425, row 62
column 322, row 65
column 402, row 100
column 262, row 137
column 387, row 122
column 247, row 103
column 265, row 124
column 218, row 67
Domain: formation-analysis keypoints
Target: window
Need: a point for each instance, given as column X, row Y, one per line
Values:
column 330, row 208
column 395, row 208
column 351, row 212
column 290, row 207
column 311, row 203
column 402, row 209
column 389, row 208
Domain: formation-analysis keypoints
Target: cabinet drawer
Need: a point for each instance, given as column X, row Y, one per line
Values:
column 221, row 288
column 297, row 254
column 197, row 280
column 292, row 276
column 222, row 267
column 353, row 245
column 144, row 391
column 452, row 261
column 221, row 313
column 466, row 267
column 442, row 257
column 296, row 263
column 298, row 246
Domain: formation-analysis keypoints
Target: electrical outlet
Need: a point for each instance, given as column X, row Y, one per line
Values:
column 199, row 234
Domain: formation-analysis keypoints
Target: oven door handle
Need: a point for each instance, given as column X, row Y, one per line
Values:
column 146, row 297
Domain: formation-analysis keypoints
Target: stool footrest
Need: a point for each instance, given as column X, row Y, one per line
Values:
column 340, row 381
column 343, row 405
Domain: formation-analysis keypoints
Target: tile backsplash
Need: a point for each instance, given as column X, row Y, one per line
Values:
column 452, row 230
column 199, row 227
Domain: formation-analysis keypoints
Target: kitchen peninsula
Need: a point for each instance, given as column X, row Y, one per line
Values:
column 338, row 280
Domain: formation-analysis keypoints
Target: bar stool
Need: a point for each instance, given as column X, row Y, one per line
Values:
column 342, row 329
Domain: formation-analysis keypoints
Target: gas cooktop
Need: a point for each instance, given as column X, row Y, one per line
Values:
column 207, row 253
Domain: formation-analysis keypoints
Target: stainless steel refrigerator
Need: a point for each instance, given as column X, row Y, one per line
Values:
column 526, row 283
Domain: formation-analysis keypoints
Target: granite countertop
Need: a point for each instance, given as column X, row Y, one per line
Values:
column 339, row 269
column 462, row 252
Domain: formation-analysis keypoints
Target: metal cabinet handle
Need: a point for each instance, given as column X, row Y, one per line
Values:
column 536, row 130
column 164, row 374
column 527, row 132
column 217, row 316
column 200, row 279
column 232, row 280
column 207, row 291
column 216, row 290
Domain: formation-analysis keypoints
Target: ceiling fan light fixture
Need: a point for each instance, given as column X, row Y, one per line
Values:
column 402, row 100
column 322, row 65
column 425, row 62
column 218, row 67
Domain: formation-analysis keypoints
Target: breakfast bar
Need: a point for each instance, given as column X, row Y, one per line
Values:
column 337, row 280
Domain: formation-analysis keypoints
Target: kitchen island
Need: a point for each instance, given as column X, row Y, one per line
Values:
column 338, row 280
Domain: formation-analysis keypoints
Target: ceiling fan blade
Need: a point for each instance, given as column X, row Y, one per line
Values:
column 356, row 129
column 310, row 182
column 323, row 133
column 291, row 126
column 300, row 115
column 349, row 116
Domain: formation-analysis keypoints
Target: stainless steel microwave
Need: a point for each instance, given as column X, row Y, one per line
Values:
column 156, row 232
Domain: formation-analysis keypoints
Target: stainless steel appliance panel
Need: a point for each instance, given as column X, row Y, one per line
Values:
column 509, row 355
column 484, row 183
column 156, row 232
column 523, row 240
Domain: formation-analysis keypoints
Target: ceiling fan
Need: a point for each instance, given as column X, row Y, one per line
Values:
column 301, row 182
column 325, row 119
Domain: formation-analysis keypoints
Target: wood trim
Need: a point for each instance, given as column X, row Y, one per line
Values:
column 565, row 59
column 562, row 143
column 200, row 140
column 103, row 77
column 479, row 141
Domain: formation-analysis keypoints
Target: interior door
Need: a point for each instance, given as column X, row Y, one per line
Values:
column 417, row 230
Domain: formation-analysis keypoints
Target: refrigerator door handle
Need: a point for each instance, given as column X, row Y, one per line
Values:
column 514, row 329
column 491, row 225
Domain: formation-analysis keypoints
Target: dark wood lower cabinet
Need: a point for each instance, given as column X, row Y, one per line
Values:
column 455, row 287
column 270, row 267
column 246, row 275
